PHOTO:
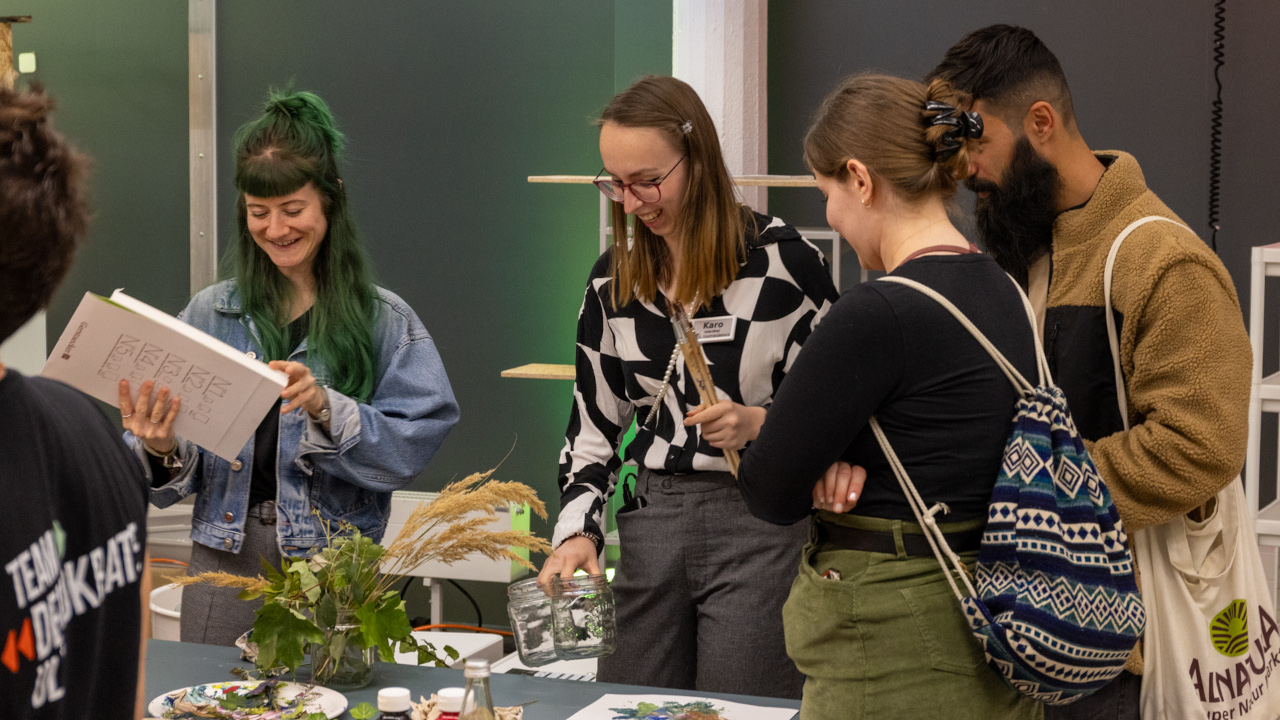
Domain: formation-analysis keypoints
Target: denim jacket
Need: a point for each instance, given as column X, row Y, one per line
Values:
column 347, row 472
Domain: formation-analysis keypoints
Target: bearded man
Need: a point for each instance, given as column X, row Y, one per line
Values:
column 1048, row 211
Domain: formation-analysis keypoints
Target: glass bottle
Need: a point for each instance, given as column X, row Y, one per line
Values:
column 394, row 704
column 530, row 612
column 449, row 703
column 477, row 703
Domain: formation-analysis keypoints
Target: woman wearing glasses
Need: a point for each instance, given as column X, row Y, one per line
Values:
column 701, row 583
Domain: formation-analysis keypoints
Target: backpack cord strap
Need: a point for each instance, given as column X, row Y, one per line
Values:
column 932, row 532
column 1020, row 383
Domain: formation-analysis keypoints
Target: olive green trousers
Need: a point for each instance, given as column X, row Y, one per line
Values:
column 887, row 639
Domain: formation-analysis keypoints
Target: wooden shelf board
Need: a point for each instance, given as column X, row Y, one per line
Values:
column 541, row 371
column 743, row 180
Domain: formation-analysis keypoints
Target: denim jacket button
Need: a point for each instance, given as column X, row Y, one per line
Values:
column 228, row 543
column 252, row 355
column 228, row 517
column 236, row 465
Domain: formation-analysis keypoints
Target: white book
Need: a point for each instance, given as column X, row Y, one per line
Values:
column 225, row 394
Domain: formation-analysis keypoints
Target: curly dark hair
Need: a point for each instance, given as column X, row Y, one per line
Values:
column 43, row 209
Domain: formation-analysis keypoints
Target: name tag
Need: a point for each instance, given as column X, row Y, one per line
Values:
column 715, row 329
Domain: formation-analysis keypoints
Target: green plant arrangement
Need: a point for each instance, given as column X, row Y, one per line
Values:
column 338, row 607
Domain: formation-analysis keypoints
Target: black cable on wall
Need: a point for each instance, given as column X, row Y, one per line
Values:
column 1215, row 123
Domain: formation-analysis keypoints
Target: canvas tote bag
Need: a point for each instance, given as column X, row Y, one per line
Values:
column 1212, row 645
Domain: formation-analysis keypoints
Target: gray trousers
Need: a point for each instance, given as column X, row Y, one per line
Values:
column 699, row 590
column 214, row 615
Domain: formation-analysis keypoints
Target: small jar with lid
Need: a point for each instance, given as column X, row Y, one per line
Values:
column 449, row 703
column 529, row 609
column 394, row 704
column 582, row 615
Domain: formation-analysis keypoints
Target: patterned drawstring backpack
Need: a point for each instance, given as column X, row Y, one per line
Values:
column 1056, row 607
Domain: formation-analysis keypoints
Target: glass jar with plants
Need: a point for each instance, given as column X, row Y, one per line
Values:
column 337, row 608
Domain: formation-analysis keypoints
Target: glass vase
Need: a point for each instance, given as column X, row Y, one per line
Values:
column 342, row 662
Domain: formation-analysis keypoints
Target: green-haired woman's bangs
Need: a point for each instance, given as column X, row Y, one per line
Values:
column 273, row 174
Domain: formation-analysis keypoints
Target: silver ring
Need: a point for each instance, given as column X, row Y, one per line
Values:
column 127, row 416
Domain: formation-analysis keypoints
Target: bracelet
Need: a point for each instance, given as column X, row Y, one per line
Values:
column 595, row 539
column 322, row 417
column 170, row 459
column 156, row 453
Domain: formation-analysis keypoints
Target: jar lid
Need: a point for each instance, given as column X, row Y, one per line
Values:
column 476, row 669
column 393, row 699
column 449, row 700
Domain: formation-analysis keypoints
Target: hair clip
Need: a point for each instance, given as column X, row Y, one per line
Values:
column 686, row 127
column 964, row 126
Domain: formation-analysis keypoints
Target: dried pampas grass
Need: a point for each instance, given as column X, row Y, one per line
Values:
column 222, row 579
column 441, row 531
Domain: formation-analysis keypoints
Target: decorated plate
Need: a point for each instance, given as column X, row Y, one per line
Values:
column 244, row 700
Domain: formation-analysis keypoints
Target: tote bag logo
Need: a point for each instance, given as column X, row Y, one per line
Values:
column 1229, row 629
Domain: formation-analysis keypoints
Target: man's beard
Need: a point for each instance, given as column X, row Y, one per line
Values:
column 1015, row 220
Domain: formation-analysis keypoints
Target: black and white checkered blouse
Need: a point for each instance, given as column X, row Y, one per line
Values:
column 782, row 290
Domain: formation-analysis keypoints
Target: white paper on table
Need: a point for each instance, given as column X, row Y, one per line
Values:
column 225, row 395
column 612, row 707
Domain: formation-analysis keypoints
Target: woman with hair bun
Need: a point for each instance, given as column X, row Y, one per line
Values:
column 367, row 404
column 700, row 584
column 871, row 620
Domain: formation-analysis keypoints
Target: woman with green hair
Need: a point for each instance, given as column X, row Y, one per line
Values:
column 367, row 403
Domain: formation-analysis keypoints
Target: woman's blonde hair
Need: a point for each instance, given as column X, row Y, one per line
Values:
column 710, row 219
column 884, row 122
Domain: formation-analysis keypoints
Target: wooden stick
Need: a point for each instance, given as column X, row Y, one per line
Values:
column 7, row 75
column 698, row 369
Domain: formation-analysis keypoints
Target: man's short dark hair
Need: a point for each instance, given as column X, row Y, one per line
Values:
column 1011, row 69
column 43, row 209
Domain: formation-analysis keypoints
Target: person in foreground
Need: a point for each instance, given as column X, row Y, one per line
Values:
column 73, row 545
column 367, row 403
column 700, row 585
column 1048, row 211
column 871, row 620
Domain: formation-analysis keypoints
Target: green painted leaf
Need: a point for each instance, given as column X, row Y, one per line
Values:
column 363, row 711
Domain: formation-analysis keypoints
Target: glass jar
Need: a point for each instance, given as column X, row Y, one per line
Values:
column 529, row 609
column 342, row 662
column 582, row 617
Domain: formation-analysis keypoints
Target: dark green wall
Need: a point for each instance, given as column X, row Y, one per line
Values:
column 120, row 81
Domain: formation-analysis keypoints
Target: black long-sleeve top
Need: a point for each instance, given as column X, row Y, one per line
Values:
column 890, row 351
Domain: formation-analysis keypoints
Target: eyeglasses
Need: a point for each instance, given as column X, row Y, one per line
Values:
column 648, row 191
